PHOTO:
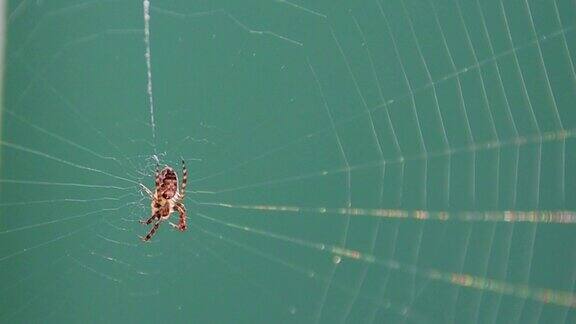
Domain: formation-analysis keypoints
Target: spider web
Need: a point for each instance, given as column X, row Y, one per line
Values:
column 388, row 161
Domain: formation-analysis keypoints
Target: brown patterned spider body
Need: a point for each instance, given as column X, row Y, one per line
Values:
column 167, row 198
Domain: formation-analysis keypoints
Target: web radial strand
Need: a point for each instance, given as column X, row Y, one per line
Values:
column 147, row 56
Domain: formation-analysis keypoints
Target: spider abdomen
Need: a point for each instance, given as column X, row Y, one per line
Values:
column 168, row 183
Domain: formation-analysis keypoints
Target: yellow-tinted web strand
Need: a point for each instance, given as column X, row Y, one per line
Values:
column 511, row 216
column 543, row 295
column 309, row 273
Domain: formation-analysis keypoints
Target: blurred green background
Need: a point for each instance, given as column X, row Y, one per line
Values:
column 305, row 126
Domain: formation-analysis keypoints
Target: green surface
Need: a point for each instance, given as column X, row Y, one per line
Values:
column 314, row 132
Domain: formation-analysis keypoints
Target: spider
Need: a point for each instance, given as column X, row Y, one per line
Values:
column 167, row 198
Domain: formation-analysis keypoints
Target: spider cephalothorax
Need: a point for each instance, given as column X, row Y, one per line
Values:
column 167, row 198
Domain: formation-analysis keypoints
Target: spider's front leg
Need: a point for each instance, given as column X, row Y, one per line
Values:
column 150, row 194
column 182, row 221
column 152, row 232
column 149, row 220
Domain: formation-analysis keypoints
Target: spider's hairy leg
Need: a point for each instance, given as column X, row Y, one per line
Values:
column 157, row 177
column 147, row 191
column 149, row 220
column 184, row 180
column 182, row 221
column 152, row 232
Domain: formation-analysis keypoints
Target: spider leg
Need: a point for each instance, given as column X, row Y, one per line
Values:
column 149, row 220
column 182, row 221
column 152, row 232
column 157, row 178
column 147, row 191
column 182, row 190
